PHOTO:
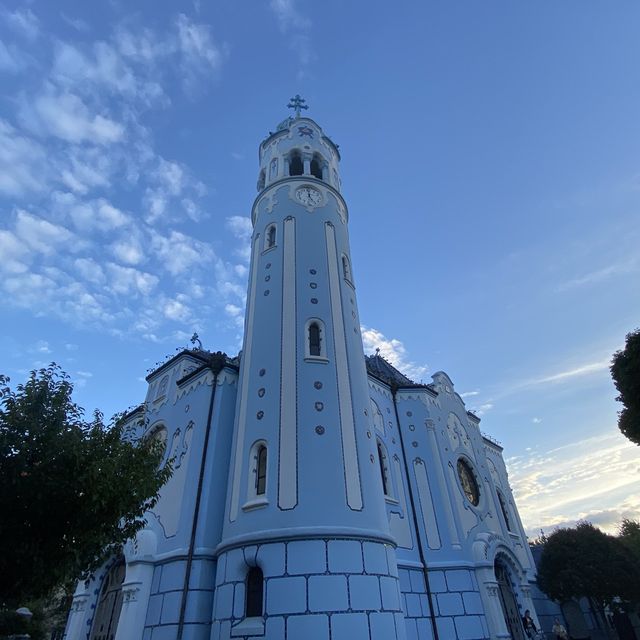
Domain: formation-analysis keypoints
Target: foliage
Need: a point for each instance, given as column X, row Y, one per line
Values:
column 584, row 561
column 71, row 491
column 630, row 535
column 625, row 370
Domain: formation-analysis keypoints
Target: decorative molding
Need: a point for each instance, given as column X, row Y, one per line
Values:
column 130, row 592
column 288, row 441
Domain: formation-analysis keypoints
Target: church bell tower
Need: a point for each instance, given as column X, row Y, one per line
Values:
column 306, row 549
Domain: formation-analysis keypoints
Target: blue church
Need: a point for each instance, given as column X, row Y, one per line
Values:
column 317, row 493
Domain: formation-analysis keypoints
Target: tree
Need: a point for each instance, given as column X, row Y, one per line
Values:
column 630, row 535
column 625, row 370
column 585, row 562
column 71, row 491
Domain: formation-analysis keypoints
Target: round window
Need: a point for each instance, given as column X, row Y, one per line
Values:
column 468, row 482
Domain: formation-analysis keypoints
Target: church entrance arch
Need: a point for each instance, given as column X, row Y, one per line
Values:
column 105, row 622
column 508, row 601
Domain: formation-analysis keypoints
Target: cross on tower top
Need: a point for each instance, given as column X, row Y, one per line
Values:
column 298, row 104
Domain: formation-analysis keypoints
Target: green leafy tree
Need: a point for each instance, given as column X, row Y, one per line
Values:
column 71, row 491
column 630, row 535
column 625, row 370
column 585, row 562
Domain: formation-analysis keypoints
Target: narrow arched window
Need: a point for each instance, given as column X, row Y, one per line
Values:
column 346, row 268
column 261, row 471
column 270, row 237
column 505, row 511
column 316, row 167
column 253, row 604
column 384, row 470
column 261, row 180
column 314, row 339
column 296, row 167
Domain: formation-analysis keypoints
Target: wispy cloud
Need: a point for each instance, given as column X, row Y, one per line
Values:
column 600, row 275
column 598, row 475
column 24, row 22
column 292, row 22
column 470, row 394
column 576, row 372
column 392, row 350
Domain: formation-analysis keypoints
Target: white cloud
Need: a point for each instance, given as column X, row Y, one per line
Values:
column 288, row 15
column 41, row 235
column 577, row 481
column 171, row 176
column 130, row 281
column 176, row 310
column 42, row 346
column 77, row 23
column 470, row 394
column 562, row 376
column 296, row 26
column 178, row 253
column 64, row 115
column 89, row 270
column 200, row 55
column 601, row 275
column 23, row 22
column 128, row 251
column 483, row 408
column 392, row 350
column 15, row 255
column 29, row 290
column 22, row 162
column 92, row 215
column 12, row 60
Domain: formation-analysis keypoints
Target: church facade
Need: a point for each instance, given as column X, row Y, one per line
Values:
column 317, row 493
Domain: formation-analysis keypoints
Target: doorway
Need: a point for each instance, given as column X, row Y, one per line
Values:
column 508, row 602
column 109, row 603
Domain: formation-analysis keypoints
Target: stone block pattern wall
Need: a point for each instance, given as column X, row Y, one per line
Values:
column 324, row 589
column 163, row 612
column 457, row 605
column 415, row 604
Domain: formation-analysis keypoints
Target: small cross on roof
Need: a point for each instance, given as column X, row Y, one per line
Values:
column 297, row 103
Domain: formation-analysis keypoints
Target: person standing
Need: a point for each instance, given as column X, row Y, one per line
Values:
column 529, row 625
column 559, row 631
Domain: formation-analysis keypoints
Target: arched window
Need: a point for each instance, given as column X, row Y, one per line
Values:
column 254, row 589
column 315, row 343
column 257, row 484
column 156, row 438
column 261, row 471
column 270, row 237
column 505, row 511
column 296, row 167
column 107, row 614
column 346, row 268
column 316, row 166
column 162, row 387
column 314, row 339
column 384, row 469
column 261, row 180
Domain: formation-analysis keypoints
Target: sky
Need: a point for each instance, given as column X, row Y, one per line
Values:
column 490, row 164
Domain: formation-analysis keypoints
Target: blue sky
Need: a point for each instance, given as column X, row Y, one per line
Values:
column 490, row 163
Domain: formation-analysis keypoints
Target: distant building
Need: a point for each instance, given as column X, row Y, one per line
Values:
column 317, row 494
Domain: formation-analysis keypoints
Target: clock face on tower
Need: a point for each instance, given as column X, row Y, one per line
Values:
column 309, row 196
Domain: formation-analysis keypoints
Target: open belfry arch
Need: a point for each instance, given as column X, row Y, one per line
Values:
column 317, row 492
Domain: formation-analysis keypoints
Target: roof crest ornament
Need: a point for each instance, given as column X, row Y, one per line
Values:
column 194, row 339
column 297, row 103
